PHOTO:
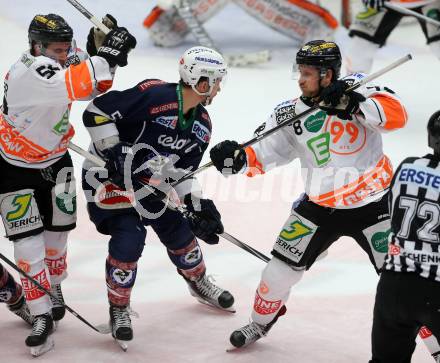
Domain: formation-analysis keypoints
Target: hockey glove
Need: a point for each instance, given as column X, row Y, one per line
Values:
column 228, row 157
column 116, row 46
column 206, row 221
column 96, row 36
column 118, row 166
column 374, row 4
column 335, row 101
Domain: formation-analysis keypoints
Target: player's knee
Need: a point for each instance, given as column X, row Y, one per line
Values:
column 127, row 238
column 29, row 250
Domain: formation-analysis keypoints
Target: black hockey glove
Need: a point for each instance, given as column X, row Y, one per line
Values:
column 334, row 100
column 228, row 157
column 116, row 46
column 114, row 162
column 117, row 167
column 374, row 4
column 96, row 36
column 206, row 223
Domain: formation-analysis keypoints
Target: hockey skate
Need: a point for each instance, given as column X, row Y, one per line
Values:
column 40, row 340
column 58, row 309
column 253, row 331
column 21, row 309
column 206, row 292
column 120, row 324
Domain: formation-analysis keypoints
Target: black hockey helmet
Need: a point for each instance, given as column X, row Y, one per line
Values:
column 434, row 132
column 49, row 28
column 321, row 54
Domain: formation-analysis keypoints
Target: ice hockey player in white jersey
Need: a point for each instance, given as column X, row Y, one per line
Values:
column 37, row 188
column 345, row 173
column 372, row 26
column 408, row 293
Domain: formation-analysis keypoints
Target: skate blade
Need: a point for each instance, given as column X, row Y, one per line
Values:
column 231, row 309
column 122, row 344
column 43, row 348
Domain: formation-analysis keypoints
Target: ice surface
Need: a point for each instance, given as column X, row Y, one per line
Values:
column 329, row 312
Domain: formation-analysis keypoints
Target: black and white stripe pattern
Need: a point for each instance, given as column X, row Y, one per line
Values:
column 415, row 218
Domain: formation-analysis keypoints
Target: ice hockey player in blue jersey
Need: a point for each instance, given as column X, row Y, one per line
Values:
column 152, row 134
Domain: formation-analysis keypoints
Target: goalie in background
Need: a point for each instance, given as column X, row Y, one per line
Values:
column 301, row 21
column 372, row 26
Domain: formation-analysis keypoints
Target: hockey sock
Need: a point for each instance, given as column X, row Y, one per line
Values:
column 120, row 278
column 273, row 291
column 430, row 341
column 56, row 251
column 360, row 55
column 29, row 254
column 10, row 290
column 189, row 260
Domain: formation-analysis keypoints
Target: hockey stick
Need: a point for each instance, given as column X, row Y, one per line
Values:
column 173, row 205
column 202, row 37
column 292, row 118
column 89, row 16
column 47, row 292
column 406, row 11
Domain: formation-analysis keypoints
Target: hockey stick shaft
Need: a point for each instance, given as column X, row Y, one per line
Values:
column 89, row 16
column 47, row 292
column 181, row 208
column 402, row 10
column 292, row 119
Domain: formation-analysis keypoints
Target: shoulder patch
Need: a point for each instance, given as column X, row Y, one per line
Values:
column 149, row 84
column 201, row 132
column 286, row 111
column 27, row 59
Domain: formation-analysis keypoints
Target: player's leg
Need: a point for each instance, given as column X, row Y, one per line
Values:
column 12, row 294
column 298, row 245
column 24, row 227
column 111, row 211
column 432, row 32
column 368, row 33
column 394, row 330
column 185, row 253
column 430, row 296
column 57, row 204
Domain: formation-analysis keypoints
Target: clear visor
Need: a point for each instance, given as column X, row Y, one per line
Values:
column 62, row 52
column 305, row 70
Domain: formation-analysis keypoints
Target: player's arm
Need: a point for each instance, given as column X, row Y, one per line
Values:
column 382, row 109
column 276, row 150
column 376, row 107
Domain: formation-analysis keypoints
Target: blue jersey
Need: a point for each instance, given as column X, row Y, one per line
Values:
column 148, row 113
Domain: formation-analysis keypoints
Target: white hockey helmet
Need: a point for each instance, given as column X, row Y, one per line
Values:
column 200, row 62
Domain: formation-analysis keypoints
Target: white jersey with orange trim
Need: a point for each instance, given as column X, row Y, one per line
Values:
column 343, row 164
column 34, row 122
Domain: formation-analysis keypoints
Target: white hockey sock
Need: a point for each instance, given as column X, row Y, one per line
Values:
column 56, row 251
column 274, row 289
column 29, row 256
column 360, row 55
